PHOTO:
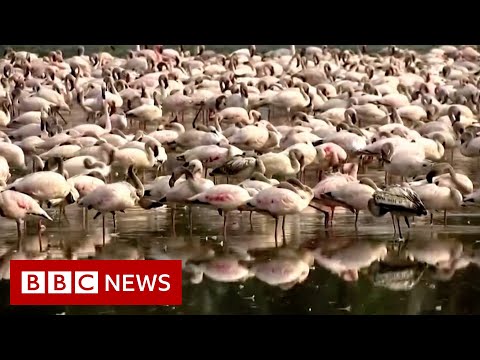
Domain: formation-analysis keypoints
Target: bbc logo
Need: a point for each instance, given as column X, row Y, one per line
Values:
column 59, row 282
column 96, row 282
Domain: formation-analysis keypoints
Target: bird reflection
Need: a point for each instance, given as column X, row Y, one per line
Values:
column 119, row 251
column 474, row 256
column 348, row 259
column 226, row 266
column 446, row 273
column 396, row 272
column 28, row 247
column 89, row 245
column 442, row 256
column 282, row 267
column 191, row 251
column 436, row 252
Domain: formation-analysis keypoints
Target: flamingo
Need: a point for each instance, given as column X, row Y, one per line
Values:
column 224, row 197
column 211, row 156
column 17, row 206
column 452, row 179
column 283, row 164
column 13, row 154
column 146, row 113
column 328, row 184
column 94, row 129
column 181, row 191
column 291, row 197
column 436, row 197
column 45, row 185
column 353, row 195
column 407, row 160
column 114, row 197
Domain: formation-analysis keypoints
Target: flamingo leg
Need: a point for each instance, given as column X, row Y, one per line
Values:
column 85, row 217
column 331, row 219
column 196, row 116
column 64, row 213
column 225, row 225
column 103, row 228
column 60, row 213
column 399, row 229
column 283, row 232
column 407, row 222
column 445, row 217
column 19, row 228
column 356, row 218
column 276, row 226
column 251, row 224
column 40, row 235
column 159, row 171
column 361, row 163
column 61, row 116
column 393, row 222
column 173, row 221
column 207, row 116
column 114, row 220
column 190, row 220
column 327, row 218
column 431, row 218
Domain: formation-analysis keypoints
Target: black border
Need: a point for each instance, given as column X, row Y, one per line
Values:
column 246, row 335
column 244, row 22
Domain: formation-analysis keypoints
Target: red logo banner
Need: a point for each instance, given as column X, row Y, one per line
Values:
column 96, row 282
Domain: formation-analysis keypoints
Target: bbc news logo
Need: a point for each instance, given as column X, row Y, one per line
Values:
column 96, row 282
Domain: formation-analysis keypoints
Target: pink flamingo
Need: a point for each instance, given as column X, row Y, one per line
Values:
column 291, row 197
column 224, row 197
column 331, row 183
column 329, row 155
column 16, row 205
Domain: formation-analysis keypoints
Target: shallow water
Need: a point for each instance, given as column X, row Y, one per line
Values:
column 439, row 264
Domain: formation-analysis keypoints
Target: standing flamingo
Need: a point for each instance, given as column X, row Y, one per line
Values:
column 224, row 197
column 16, row 205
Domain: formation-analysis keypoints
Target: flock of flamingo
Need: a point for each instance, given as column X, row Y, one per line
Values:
column 260, row 122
